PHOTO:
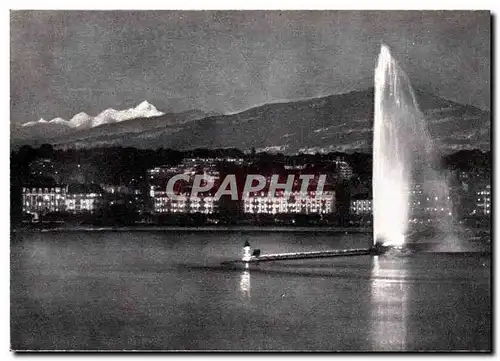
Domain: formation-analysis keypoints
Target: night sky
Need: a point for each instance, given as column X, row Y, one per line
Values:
column 63, row 63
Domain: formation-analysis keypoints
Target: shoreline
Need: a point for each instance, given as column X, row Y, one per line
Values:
column 201, row 229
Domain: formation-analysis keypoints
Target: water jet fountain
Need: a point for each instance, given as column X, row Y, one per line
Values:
column 402, row 152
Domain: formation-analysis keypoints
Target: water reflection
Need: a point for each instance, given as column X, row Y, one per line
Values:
column 245, row 284
column 389, row 297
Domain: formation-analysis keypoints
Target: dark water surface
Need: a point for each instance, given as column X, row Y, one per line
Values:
column 167, row 291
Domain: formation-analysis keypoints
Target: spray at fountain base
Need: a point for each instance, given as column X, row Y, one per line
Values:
column 379, row 249
column 383, row 246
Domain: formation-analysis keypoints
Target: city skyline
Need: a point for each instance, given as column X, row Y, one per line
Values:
column 194, row 181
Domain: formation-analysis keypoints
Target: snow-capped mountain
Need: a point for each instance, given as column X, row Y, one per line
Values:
column 83, row 120
column 143, row 110
column 58, row 120
column 40, row 121
column 111, row 122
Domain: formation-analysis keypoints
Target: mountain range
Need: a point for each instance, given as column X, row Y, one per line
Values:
column 84, row 121
column 341, row 122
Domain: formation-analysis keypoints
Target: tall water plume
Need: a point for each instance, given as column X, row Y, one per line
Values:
column 403, row 155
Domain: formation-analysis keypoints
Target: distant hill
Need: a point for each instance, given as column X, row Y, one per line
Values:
column 341, row 122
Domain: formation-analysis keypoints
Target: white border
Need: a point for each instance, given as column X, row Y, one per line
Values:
column 188, row 5
column 257, row 5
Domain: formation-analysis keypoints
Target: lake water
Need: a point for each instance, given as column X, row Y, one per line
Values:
column 168, row 291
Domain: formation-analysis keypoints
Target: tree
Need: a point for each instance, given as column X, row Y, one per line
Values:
column 46, row 151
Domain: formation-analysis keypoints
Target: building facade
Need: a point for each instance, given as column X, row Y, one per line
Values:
column 41, row 200
column 83, row 198
column 184, row 204
column 120, row 189
column 344, row 170
column 483, row 201
column 361, row 206
column 203, row 203
column 296, row 202
column 429, row 202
